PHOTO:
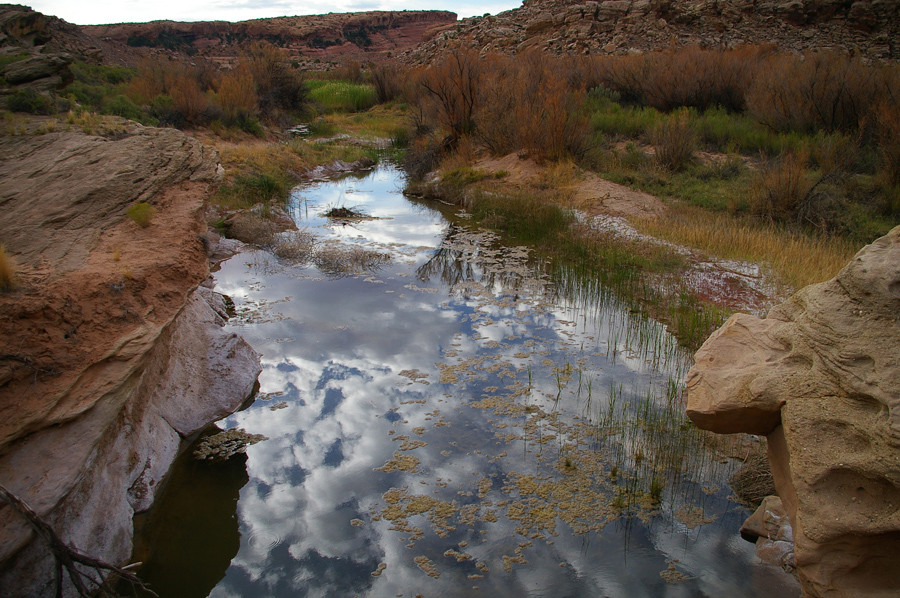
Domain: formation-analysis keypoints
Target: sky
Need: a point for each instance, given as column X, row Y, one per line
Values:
column 95, row 12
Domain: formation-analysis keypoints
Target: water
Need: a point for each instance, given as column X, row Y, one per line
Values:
column 464, row 421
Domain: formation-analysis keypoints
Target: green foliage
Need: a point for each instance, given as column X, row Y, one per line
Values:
column 255, row 188
column 121, row 105
column 98, row 74
column 341, row 96
column 28, row 100
column 462, row 176
column 141, row 213
column 523, row 217
column 613, row 119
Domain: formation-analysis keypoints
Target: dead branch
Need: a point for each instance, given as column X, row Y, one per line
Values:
column 68, row 558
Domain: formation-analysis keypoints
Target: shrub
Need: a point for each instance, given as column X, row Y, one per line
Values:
column 782, row 189
column 7, row 271
column 823, row 90
column 28, row 100
column 121, row 105
column 388, row 82
column 236, row 94
column 141, row 213
column 296, row 247
column 675, row 141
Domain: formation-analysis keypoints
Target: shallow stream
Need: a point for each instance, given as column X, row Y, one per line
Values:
column 462, row 419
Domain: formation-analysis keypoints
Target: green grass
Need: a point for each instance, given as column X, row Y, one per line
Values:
column 341, row 96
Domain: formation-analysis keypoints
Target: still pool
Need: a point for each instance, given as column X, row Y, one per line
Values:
column 458, row 418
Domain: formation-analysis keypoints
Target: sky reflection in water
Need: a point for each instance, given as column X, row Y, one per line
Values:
column 352, row 380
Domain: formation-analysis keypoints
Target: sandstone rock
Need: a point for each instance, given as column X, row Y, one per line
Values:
column 770, row 529
column 111, row 351
column 39, row 66
column 829, row 358
column 794, row 25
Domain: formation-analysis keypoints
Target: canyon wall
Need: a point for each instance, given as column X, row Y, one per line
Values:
column 113, row 349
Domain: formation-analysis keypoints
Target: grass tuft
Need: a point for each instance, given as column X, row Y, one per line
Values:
column 141, row 213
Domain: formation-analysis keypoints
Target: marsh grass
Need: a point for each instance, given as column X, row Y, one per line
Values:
column 341, row 96
column 796, row 259
column 8, row 278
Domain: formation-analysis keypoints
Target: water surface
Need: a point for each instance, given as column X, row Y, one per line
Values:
column 453, row 424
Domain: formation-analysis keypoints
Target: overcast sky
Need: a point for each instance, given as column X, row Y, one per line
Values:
column 93, row 12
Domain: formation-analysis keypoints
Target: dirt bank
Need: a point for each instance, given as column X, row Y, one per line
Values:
column 112, row 352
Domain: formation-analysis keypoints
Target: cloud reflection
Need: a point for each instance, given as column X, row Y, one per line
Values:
column 374, row 373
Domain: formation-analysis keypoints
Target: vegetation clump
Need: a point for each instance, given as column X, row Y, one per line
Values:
column 141, row 213
column 343, row 213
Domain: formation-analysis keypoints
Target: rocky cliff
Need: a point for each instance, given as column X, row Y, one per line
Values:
column 820, row 377
column 867, row 27
column 361, row 35
column 112, row 351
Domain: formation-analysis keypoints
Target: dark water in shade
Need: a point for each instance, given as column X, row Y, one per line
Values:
column 452, row 424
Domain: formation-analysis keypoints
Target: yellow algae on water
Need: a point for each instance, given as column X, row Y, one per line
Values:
column 426, row 565
column 400, row 462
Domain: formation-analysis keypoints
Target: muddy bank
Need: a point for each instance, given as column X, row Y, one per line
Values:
column 113, row 350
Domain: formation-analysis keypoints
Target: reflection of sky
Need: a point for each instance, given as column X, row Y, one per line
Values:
column 334, row 400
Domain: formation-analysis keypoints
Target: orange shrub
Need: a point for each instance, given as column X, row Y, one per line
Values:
column 822, row 90
column 236, row 94
column 187, row 98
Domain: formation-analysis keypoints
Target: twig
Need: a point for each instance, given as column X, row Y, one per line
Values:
column 69, row 557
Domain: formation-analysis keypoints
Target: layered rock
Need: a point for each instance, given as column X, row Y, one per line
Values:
column 360, row 35
column 820, row 377
column 866, row 27
column 112, row 351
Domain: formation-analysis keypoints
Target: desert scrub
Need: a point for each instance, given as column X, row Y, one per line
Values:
column 7, row 271
column 141, row 214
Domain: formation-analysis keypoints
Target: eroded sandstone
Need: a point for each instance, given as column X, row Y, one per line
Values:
column 820, row 376
column 112, row 350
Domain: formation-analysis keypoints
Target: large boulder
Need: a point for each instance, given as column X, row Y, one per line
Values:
column 820, row 377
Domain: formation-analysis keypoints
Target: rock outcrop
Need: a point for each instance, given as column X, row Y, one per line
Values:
column 112, row 350
column 820, row 377
column 360, row 35
column 866, row 27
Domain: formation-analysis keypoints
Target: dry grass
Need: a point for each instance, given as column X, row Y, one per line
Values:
column 7, row 271
column 296, row 247
column 795, row 259
column 753, row 481
column 250, row 227
column 342, row 260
